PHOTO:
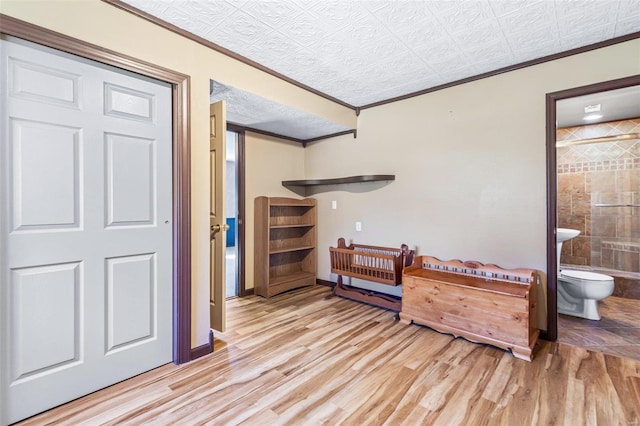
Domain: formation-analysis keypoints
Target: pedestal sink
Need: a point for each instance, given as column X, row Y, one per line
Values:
column 564, row 234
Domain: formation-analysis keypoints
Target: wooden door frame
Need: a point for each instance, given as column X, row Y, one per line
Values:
column 180, row 84
column 552, row 190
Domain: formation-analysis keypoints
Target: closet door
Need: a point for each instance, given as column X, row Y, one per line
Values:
column 86, row 237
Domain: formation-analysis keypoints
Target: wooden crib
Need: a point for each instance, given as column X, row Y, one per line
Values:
column 372, row 263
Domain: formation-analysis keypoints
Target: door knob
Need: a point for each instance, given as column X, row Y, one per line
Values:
column 217, row 228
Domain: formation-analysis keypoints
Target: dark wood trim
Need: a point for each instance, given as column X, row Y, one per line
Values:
column 170, row 27
column 325, row 283
column 182, row 224
column 552, row 191
column 248, row 292
column 333, row 135
column 181, row 159
column 303, row 142
column 552, row 195
column 339, row 181
column 203, row 350
column 241, row 128
column 510, row 68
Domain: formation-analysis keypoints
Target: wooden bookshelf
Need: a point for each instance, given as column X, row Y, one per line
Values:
column 285, row 244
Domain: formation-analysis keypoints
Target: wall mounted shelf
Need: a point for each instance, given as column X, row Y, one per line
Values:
column 302, row 186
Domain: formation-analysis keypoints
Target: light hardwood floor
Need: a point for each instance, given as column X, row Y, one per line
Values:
column 299, row 359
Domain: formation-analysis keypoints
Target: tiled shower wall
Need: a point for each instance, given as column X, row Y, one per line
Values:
column 600, row 173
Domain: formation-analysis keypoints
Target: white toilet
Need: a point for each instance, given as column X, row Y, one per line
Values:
column 579, row 291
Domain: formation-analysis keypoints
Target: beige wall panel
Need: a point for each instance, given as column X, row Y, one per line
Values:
column 469, row 162
column 268, row 161
column 94, row 21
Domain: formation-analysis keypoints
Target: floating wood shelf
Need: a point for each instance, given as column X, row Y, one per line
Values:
column 302, row 185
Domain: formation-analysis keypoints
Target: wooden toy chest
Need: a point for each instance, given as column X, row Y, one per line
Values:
column 482, row 303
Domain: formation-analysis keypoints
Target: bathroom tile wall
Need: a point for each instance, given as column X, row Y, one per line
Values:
column 600, row 173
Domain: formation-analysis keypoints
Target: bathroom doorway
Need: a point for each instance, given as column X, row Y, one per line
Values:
column 593, row 160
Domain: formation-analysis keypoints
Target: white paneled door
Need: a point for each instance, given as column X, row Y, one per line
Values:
column 86, row 240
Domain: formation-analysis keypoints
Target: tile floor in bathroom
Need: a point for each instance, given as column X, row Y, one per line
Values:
column 617, row 333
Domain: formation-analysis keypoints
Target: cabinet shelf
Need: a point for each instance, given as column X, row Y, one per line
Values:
column 301, row 225
column 290, row 249
column 290, row 202
column 291, row 277
column 290, row 205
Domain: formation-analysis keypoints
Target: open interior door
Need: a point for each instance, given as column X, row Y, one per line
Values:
column 217, row 220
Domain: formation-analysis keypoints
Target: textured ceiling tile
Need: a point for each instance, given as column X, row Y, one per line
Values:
column 459, row 19
column 329, row 49
column 498, row 52
column 579, row 23
column 505, row 7
column 299, row 59
column 336, row 15
column 440, row 51
column 538, row 42
column 245, row 27
column 275, row 14
column 479, row 37
column 211, row 12
column 253, row 111
column 629, row 8
column 360, row 51
column 531, row 20
column 305, row 29
column 456, row 60
column 421, row 38
column 580, row 16
column 627, row 26
column 595, row 34
column 403, row 14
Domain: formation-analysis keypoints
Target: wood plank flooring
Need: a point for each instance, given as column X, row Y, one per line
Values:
column 301, row 360
column 617, row 333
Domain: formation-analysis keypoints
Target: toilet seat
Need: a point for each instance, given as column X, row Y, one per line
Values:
column 577, row 276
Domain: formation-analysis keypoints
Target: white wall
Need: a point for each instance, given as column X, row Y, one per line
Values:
column 470, row 166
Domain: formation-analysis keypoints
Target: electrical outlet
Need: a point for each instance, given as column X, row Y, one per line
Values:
column 334, row 204
column 358, row 226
